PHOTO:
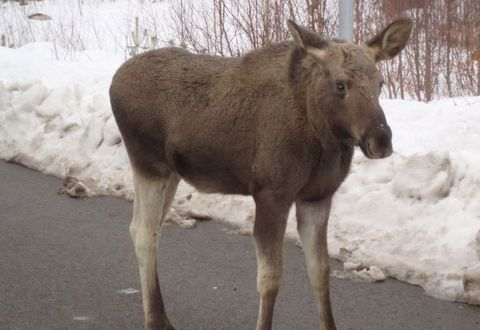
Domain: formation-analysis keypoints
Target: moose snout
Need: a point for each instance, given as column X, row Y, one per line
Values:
column 377, row 142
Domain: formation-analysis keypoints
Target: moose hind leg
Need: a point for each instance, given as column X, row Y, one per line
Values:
column 151, row 203
column 312, row 219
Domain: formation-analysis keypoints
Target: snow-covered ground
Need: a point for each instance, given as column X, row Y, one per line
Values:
column 414, row 216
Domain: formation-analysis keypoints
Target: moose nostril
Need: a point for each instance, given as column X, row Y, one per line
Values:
column 384, row 142
column 381, row 126
column 384, row 129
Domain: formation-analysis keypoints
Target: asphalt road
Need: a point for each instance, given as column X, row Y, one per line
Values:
column 64, row 262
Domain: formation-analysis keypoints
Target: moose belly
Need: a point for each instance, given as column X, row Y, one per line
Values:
column 210, row 174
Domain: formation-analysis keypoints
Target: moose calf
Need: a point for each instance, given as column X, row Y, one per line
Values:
column 279, row 123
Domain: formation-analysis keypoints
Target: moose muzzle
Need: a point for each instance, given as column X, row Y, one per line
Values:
column 377, row 142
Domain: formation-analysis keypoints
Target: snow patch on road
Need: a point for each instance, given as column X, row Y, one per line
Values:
column 356, row 271
column 128, row 291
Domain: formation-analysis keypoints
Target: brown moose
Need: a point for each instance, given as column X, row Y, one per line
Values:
column 279, row 124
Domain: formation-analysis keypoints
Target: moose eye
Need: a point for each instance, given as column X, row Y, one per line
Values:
column 341, row 87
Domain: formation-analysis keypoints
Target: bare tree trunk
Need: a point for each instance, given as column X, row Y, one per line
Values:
column 478, row 78
column 416, row 60
column 478, row 62
column 400, row 76
column 448, row 42
column 427, row 81
column 266, row 23
column 291, row 10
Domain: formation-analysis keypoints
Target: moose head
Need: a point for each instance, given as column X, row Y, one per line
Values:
column 343, row 84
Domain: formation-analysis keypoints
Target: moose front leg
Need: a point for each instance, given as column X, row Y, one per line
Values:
column 312, row 219
column 269, row 231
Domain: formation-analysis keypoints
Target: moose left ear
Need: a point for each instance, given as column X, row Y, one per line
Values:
column 388, row 43
column 304, row 38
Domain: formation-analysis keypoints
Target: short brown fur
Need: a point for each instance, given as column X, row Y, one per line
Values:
column 279, row 123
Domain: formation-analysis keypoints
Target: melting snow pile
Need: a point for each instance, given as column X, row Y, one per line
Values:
column 414, row 216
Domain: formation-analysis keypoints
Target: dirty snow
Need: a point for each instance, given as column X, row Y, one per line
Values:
column 414, row 216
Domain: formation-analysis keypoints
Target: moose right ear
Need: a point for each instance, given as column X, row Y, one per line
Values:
column 304, row 38
column 389, row 42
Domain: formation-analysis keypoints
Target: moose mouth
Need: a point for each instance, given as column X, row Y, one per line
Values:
column 379, row 153
column 365, row 147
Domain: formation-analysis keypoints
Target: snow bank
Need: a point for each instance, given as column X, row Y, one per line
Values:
column 414, row 216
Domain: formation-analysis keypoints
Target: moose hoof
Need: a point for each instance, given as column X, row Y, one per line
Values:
column 162, row 325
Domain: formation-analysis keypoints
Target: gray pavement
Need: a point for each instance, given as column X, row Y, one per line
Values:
column 63, row 262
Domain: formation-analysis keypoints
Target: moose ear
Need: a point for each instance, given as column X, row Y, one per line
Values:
column 304, row 38
column 388, row 43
